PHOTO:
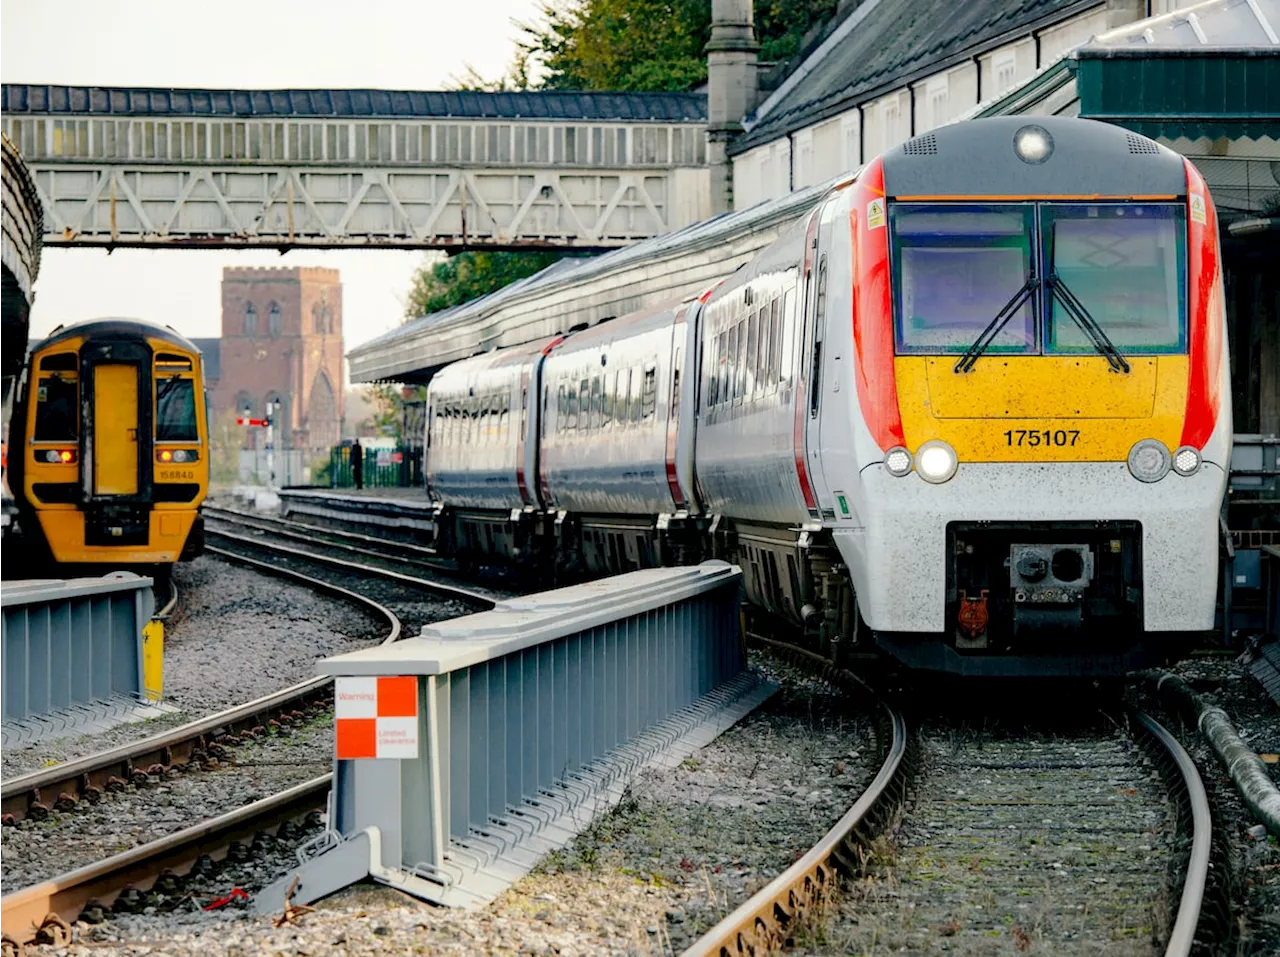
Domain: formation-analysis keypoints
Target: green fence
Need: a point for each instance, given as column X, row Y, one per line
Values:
column 400, row 467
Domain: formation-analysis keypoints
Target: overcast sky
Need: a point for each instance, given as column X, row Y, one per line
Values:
column 384, row 44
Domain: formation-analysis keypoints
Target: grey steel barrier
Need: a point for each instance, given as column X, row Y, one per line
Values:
column 72, row 643
column 521, row 712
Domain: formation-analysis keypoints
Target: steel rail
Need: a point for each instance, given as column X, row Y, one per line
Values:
column 454, row 591
column 169, row 606
column 88, row 777
column 27, row 912
column 763, row 922
column 1182, row 937
column 340, row 533
column 298, row 532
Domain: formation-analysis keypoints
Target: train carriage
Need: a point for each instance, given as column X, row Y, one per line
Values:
column 972, row 413
column 617, row 440
column 110, row 445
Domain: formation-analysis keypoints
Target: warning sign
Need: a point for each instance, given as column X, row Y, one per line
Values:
column 875, row 214
column 376, row 717
column 1197, row 208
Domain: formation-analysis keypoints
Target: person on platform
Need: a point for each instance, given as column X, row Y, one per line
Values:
column 357, row 464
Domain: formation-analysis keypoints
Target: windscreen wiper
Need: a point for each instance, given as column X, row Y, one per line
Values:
column 169, row 386
column 1077, row 311
column 983, row 342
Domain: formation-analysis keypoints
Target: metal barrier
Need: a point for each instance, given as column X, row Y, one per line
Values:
column 72, row 649
column 465, row 754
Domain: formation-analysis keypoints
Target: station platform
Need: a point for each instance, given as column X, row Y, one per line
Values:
column 402, row 511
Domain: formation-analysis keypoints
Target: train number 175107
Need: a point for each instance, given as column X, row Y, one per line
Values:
column 1034, row 437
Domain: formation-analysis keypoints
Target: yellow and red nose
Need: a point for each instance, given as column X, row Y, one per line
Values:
column 1041, row 408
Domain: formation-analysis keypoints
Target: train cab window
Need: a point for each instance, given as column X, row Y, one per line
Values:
column 60, row 362
column 957, row 267
column 57, row 409
column 1126, row 265
column 176, row 410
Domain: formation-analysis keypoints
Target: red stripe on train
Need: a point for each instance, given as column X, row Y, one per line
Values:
column 873, row 309
column 1205, row 304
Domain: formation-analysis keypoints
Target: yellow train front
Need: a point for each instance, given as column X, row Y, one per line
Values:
column 109, row 446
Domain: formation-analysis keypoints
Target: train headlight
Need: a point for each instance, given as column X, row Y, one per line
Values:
column 57, row 456
column 1033, row 144
column 898, row 461
column 936, row 461
column 180, row 456
column 1149, row 460
column 1186, row 461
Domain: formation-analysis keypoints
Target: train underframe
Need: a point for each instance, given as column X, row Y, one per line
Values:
column 1050, row 599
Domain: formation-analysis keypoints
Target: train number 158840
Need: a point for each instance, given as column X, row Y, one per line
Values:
column 1033, row 437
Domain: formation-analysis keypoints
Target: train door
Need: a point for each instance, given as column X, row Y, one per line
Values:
column 817, row 368
column 115, row 418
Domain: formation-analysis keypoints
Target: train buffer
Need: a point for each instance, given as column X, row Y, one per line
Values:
column 464, row 755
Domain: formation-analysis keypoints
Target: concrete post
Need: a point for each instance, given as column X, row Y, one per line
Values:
column 731, row 90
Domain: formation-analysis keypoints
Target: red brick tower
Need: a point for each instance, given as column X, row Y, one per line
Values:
column 282, row 342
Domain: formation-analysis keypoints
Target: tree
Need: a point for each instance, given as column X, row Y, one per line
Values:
column 469, row 275
column 639, row 45
column 647, row 45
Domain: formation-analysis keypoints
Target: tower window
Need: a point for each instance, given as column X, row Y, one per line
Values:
column 250, row 320
column 273, row 320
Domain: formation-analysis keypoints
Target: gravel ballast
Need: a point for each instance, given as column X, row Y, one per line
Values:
column 237, row 634
column 1014, row 841
column 684, row 847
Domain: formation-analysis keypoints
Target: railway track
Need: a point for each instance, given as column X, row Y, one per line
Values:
column 802, row 904
column 43, row 911
column 396, row 561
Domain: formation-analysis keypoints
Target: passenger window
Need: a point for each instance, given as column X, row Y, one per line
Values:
column 57, row 409
column 650, row 391
column 753, row 345
column 571, row 407
column 624, row 410
column 584, row 404
column 606, row 409
column 595, row 402
column 731, row 365
column 740, row 361
column 781, row 356
column 176, row 410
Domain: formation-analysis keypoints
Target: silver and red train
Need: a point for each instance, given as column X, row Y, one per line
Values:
column 972, row 412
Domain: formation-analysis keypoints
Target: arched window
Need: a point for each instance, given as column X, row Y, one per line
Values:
column 250, row 320
column 273, row 320
column 244, row 404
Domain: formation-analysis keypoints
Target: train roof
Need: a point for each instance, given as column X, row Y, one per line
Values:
column 1088, row 159
column 116, row 328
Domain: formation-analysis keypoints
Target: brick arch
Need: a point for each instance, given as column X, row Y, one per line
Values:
column 322, row 413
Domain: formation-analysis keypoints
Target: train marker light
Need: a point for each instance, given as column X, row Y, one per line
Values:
column 936, row 461
column 1033, row 144
column 1186, row 461
column 57, row 456
column 1149, row 460
column 898, row 461
column 166, row 456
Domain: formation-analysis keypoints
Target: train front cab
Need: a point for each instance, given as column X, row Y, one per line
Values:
column 116, row 461
column 1061, row 429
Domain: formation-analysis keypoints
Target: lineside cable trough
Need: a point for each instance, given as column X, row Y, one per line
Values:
column 465, row 755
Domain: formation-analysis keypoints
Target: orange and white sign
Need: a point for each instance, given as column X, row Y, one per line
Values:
column 376, row 717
